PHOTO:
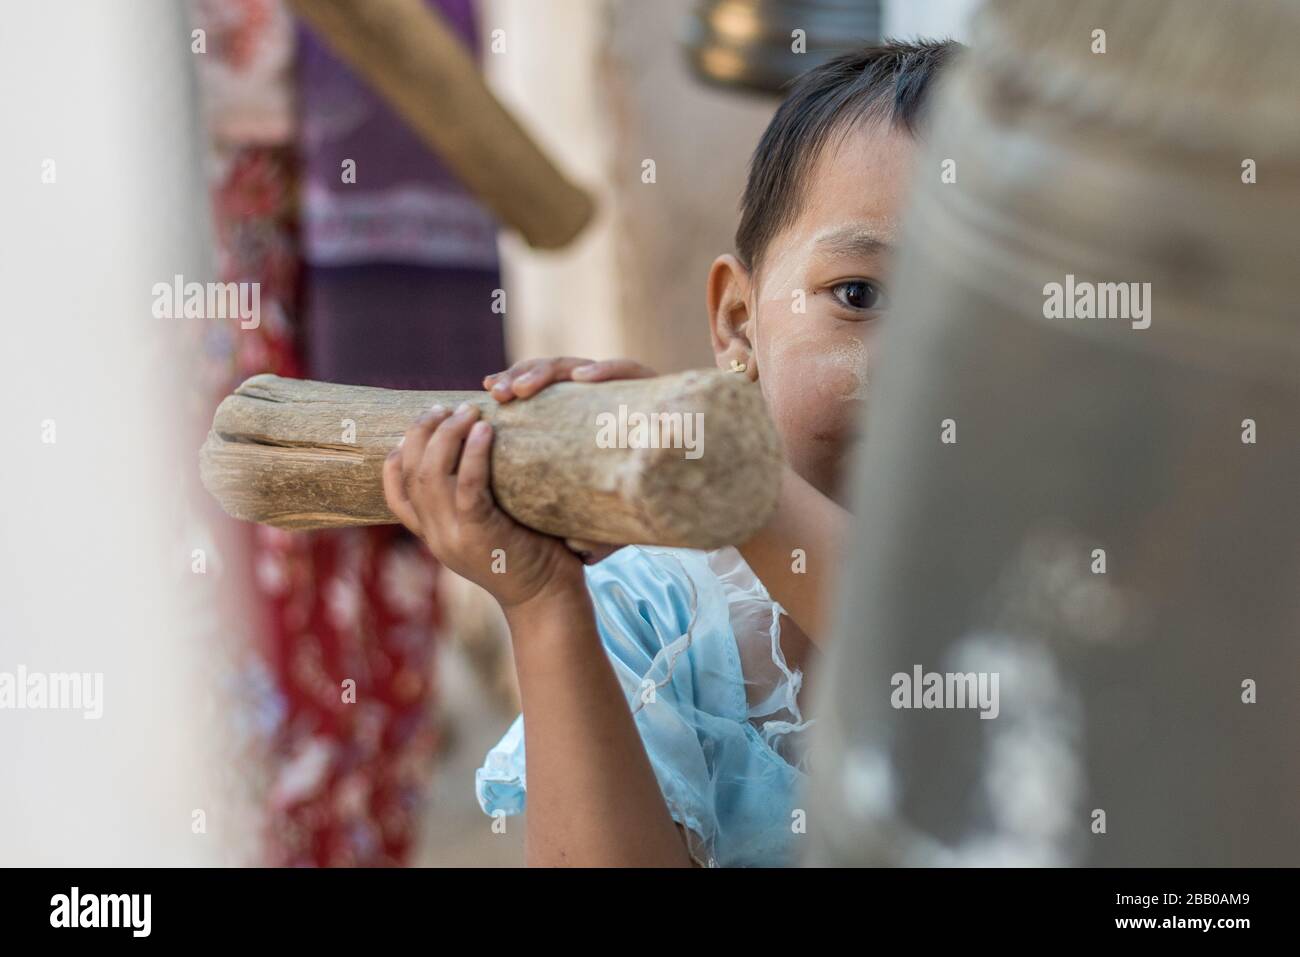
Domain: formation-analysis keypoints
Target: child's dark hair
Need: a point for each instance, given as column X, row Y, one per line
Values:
column 889, row 81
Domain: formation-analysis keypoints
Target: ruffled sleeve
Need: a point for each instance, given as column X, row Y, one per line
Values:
column 665, row 619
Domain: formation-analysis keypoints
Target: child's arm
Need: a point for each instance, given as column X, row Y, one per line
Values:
column 593, row 798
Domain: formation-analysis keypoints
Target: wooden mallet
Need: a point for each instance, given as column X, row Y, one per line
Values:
column 688, row 460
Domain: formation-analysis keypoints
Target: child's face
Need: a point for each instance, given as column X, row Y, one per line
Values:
column 806, row 322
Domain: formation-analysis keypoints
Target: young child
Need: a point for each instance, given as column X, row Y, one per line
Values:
column 662, row 689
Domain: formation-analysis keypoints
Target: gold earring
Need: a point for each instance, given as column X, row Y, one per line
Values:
column 738, row 366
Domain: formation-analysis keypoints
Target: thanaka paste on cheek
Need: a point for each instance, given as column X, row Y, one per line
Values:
column 778, row 294
column 844, row 371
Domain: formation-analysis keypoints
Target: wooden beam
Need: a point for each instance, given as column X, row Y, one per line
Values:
column 301, row 454
column 410, row 56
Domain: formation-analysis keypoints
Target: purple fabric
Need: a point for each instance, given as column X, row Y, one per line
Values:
column 403, row 327
column 401, row 264
column 404, row 206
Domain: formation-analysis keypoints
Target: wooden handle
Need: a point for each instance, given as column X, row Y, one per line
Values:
column 688, row 460
column 409, row 55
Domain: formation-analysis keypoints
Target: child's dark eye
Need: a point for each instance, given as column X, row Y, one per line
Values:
column 859, row 294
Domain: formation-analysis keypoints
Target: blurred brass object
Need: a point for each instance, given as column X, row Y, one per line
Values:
column 1112, row 524
column 753, row 43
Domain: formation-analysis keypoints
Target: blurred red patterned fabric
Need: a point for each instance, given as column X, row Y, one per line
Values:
column 336, row 696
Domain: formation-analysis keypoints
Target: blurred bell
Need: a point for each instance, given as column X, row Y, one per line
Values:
column 1075, row 509
column 763, row 44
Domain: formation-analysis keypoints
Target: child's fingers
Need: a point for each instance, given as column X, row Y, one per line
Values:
column 489, row 381
column 499, row 383
column 612, row 369
column 523, row 365
column 529, row 377
column 443, row 452
column 395, row 493
column 544, row 373
column 473, row 500
column 415, row 440
column 514, row 369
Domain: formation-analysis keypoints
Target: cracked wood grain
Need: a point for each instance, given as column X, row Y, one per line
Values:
column 278, row 454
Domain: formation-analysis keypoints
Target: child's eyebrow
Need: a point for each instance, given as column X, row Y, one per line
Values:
column 859, row 240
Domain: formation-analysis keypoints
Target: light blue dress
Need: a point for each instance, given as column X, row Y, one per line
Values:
column 694, row 639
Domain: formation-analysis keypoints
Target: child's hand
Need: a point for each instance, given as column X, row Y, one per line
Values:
column 530, row 376
column 436, row 482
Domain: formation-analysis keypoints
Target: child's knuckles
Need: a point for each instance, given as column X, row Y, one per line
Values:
column 444, row 437
column 474, row 504
column 442, row 448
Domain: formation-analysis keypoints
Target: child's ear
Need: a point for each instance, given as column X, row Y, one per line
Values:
column 731, row 320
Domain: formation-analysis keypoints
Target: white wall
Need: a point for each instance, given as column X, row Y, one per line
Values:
column 94, row 535
column 929, row 19
column 604, row 85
